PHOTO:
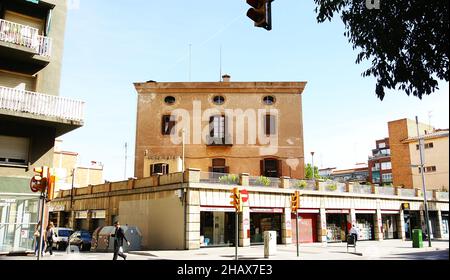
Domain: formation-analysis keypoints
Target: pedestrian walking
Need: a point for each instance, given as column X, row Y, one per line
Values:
column 50, row 237
column 355, row 233
column 119, row 236
column 37, row 237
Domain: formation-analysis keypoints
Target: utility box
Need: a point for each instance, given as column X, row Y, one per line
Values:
column 417, row 238
column 270, row 243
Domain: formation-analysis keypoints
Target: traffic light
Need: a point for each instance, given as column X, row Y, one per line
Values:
column 39, row 181
column 236, row 199
column 261, row 13
column 51, row 185
column 405, row 206
column 295, row 202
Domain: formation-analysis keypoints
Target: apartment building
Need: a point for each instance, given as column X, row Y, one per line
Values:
column 405, row 155
column 229, row 127
column 380, row 166
column 32, row 114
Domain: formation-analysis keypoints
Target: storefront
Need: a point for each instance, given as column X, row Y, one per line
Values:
column 365, row 221
column 444, row 225
column 81, row 220
column 217, row 226
column 264, row 219
column 389, row 224
column 307, row 225
column 412, row 221
column 18, row 220
column 337, row 225
column 98, row 218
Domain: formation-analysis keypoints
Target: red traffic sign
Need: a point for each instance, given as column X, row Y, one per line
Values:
column 244, row 195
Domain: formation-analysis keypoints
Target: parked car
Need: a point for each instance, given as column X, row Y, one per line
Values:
column 82, row 239
column 62, row 236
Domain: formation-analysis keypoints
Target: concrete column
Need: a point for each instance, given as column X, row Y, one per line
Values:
column 374, row 189
column 72, row 220
column 192, row 234
column 378, row 226
column 58, row 220
column 351, row 219
column 89, row 221
column 244, row 179
column 419, row 193
column 244, row 227
column 285, row 182
column 349, row 187
column 439, row 229
column 401, row 226
column 286, row 226
column 322, row 232
column 192, row 175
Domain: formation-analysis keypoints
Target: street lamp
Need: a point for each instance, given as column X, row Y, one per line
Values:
column 422, row 171
column 313, row 169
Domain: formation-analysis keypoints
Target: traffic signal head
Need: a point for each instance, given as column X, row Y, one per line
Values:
column 39, row 181
column 51, row 186
column 295, row 202
column 261, row 13
column 236, row 200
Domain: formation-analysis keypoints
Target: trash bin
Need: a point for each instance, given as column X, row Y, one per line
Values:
column 417, row 238
column 270, row 243
column 105, row 243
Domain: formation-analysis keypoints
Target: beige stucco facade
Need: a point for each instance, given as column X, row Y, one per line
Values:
column 404, row 155
column 241, row 101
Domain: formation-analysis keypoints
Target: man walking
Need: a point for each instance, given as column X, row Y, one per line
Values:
column 355, row 233
column 119, row 236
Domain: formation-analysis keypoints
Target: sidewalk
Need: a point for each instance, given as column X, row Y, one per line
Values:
column 366, row 250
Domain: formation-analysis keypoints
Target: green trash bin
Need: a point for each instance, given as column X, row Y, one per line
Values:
column 417, row 238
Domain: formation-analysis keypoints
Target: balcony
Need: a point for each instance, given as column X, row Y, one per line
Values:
column 66, row 114
column 22, row 46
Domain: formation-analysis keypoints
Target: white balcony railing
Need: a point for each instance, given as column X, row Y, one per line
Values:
column 40, row 104
column 25, row 36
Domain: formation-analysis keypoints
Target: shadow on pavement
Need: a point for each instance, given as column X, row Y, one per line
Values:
column 433, row 255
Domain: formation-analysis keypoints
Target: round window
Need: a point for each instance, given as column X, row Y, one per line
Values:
column 219, row 100
column 269, row 100
column 169, row 100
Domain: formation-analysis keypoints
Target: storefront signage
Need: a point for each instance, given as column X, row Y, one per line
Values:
column 217, row 209
column 337, row 211
column 308, row 211
column 365, row 211
column 98, row 214
column 56, row 208
column 266, row 210
column 390, row 212
column 81, row 215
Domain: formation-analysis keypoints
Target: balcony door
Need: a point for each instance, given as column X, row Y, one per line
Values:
column 219, row 166
column 271, row 168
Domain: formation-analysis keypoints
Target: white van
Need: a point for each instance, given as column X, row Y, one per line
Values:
column 62, row 237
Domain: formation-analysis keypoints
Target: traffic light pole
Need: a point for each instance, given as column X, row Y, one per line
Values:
column 237, row 236
column 41, row 233
column 296, row 225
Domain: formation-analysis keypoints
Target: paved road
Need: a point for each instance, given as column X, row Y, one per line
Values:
column 370, row 250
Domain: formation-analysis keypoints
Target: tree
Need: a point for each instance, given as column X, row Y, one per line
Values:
column 406, row 40
column 309, row 172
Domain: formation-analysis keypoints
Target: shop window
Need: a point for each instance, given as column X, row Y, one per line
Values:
column 14, row 150
column 159, row 168
column 271, row 168
column 270, row 125
column 168, row 124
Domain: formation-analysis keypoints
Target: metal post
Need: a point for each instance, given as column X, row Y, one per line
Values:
column 296, row 225
column 184, row 150
column 125, row 169
column 422, row 168
column 237, row 236
column 41, row 237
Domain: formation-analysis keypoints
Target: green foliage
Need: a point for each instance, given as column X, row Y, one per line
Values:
column 229, row 179
column 405, row 41
column 309, row 172
column 300, row 184
column 263, row 181
column 332, row 187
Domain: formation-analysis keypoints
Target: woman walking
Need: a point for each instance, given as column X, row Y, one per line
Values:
column 50, row 236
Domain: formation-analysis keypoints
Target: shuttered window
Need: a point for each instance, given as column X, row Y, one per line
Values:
column 14, row 150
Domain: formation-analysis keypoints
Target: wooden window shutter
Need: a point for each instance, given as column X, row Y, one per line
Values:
column 280, row 168
column 211, row 126
column 261, row 166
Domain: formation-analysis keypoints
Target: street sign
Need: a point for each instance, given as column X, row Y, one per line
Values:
column 244, row 195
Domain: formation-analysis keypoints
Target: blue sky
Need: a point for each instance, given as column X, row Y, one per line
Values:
column 111, row 44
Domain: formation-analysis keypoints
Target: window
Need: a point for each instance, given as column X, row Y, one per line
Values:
column 217, row 127
column 219, row 166
column 14, row 150
column 270, row 125
column 269, row 100
column 387, row 177
column 168, row 123
column 271, row 168
column 427, row 146
column 170, row 100
column 219, row 100
column 428, row 169
column 381, row 145
column 159, row 168
column 386, row 165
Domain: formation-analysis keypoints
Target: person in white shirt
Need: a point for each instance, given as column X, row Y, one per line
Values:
column 354, row 232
